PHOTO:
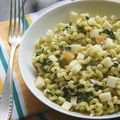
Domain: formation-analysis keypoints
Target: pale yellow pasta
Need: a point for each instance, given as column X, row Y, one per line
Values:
column 118, row 88
column 111, row 107
column 99, row 74
column 83, row 106
column 61, row 99
column 99, row 109
column 114, row 99
column 79, row 62
column 94, row 101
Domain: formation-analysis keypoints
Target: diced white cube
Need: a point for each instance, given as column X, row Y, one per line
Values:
column 107, row 62
column 39, row 82
column 97, row 48
column 80, row 56
column 112, row 81
column 76, row 68
column 49, row 33
column 53, row 58
column 73, row 63
column 73, row 16
column 75, row 48
column 65, row 32
column 104, row 97
column 74, row 100
column 108, row 42
column 92, row 21
column 78, row 21
column 66, row 105
column 94, row 82
column 74, row 28
column 94, row 33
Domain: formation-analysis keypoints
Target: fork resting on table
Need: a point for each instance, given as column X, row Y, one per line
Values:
column 16, row 29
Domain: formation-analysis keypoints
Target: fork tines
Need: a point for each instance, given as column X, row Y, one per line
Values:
column 16, row 17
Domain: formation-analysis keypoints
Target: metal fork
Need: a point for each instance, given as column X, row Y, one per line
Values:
column 14, row 39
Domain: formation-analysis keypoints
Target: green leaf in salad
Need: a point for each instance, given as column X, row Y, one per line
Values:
column 85, row 96
column 65, row 90
column 87, row 18
column 66, row 28
column 81, row 29
column 67, row 47
column 48, row 93
column 79, row 86
column 100, row 86
column 115, row 64
column 109, row 33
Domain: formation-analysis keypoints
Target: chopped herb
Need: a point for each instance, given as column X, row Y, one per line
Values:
column 80, row 86
column 62, row 63
column 67, row 47
column 81, row 29
column 58, row 55
column 109, row 33
column 115, row 64
column 87, row 17
column 68, row 98
column 65, row 91
column 99, row 87
column 49, row 93
column 44, row 70
column 66, row 28
column 44, row 62
column 85, row 96
column 48, row 62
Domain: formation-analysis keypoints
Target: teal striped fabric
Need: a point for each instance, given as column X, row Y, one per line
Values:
column 15, row 94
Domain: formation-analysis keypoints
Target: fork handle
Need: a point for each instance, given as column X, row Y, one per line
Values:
column 7, row 93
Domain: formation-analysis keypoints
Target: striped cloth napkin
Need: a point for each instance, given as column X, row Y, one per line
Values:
column 25, row 104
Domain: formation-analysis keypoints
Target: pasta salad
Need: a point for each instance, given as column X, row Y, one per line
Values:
column 78, row 64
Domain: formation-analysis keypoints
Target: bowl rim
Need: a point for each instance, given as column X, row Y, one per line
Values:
column 46, row 11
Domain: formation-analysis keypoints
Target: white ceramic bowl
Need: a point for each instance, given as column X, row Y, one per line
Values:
column 48, row 20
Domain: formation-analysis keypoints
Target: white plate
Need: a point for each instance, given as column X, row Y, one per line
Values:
column 49, row 20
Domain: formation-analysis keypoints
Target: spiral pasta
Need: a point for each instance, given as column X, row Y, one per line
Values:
column 78, row 64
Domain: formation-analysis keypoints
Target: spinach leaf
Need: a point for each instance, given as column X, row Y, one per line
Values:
column 80, row 29
column 79, row 86
column 49, row 93
column 109, row 33
column 67, row 47
column 66, row 28
column 115, row 64
column 87, row 18
column 65, row 92
column 99, row 87
column 85, row 96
